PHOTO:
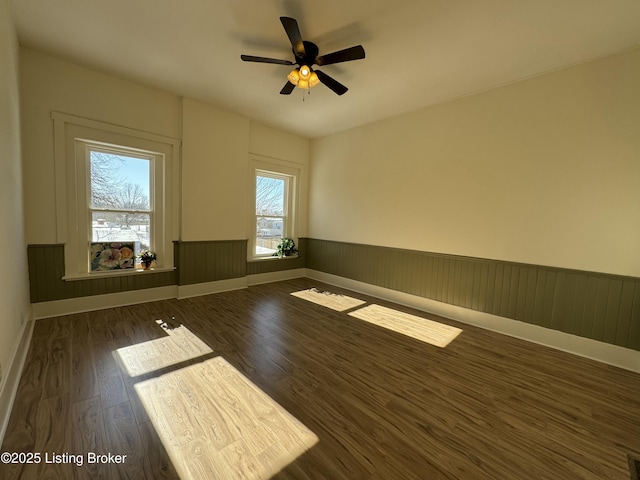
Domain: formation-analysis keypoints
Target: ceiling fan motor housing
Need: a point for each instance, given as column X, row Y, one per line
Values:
column 310, row 54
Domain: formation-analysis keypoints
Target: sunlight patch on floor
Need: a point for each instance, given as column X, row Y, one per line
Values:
column 422, row 329
column 328, row 299
column 215, row 423
column 180, row 345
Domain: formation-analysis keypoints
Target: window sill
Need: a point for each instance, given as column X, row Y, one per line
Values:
column 136, row 271
column 262, row 259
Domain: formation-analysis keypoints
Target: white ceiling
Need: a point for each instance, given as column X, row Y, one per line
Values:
column 418, row 52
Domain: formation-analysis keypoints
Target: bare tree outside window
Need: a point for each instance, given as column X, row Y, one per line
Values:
column 105, row 178
column 270, row 213
column 269, row 195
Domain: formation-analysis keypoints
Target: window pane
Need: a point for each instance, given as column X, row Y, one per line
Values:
column 269, row 196
column 122, row 227
column 268, row 234
column 119, row 182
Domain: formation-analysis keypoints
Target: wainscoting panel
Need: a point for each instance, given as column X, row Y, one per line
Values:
column 200, row 262
column 593, row 305
column 209, row 261
column 46, row 269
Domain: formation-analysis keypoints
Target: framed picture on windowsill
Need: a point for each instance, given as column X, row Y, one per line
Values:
column 112, row 256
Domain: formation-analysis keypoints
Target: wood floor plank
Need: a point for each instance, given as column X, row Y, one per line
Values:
column 113, row 390
column 383, row 405
column 160, row 466
column 51, row 439
column 84, row 381
column 122, row 438
column 58, row 373
column 88, row 435
column 22, row 423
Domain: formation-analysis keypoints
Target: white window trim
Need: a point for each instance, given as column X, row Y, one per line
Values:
column 276, row 167
column 156, row 200
column 72, row 132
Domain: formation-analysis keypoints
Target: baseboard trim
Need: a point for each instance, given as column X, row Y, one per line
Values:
column 98, row 302
column 270, row 277
column 12, row 379
column 208, row 288
column 70, row 306
column 602, row 352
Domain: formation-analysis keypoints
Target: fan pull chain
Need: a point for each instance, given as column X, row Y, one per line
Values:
column 308, row 92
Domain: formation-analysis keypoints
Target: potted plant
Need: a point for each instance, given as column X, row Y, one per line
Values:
column 147, row 257
column 286, row 248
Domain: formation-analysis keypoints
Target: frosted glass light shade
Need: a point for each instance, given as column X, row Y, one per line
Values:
column 305, row 72
column 313, row 79
column 294, row 76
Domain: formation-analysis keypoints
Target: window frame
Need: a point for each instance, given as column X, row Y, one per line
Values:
column 71, row 136
column 85, row 229
column 292, row 174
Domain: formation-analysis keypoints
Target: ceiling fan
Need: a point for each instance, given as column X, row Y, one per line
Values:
column 306, row 55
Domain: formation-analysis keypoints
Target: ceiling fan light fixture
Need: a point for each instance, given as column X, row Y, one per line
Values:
column 305, row 57
column 294, row 76
column 305, row 72
column 303, row 77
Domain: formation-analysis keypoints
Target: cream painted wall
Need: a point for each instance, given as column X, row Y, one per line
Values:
column 50, row 84
column 215, row 150
column 272, row 143
column 14, row 282
column 216, row 146
column 214, row 173
column 545, row 171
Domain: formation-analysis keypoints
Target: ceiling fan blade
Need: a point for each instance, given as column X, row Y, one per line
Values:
column 293, row 32
column 333, row 84
column 251, row 58
column 287, row 89
column 346, row 55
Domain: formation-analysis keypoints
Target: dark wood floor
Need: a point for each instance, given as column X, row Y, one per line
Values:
column 383, row 405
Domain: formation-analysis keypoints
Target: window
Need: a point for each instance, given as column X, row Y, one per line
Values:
column 272, row 202
column 274, row 206
column 120, row 197
column 113, row 185
column 118, row 203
